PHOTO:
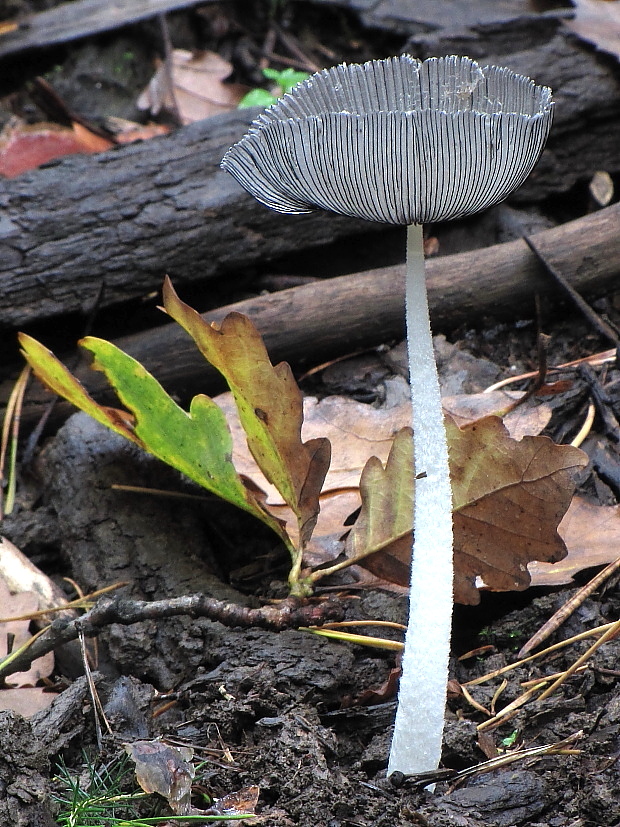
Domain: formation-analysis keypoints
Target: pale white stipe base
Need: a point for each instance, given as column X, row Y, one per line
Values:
column 416, row 746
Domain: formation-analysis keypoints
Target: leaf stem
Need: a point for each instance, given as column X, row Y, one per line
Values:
column 416, row 746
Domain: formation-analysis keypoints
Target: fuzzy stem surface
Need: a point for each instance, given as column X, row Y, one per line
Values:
column 416, row 746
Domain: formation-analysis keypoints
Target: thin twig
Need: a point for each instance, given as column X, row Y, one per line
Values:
column 510, row 710
column 268, row 45
column 556, row 646
column 423, row 779
column 595, row 359
column 603, row 402
column 539, row 377
column 94, row 695
column 289, row 614
column 557, row 619
column 474, row 703
column 293, row 46
column 595, row 320
column 585, row 429
column 10, row 435
column 168, row 65
column 612, row 632
column 548, row 678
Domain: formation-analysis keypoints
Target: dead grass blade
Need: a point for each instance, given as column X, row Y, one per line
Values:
column 8, row 444
column 568, row 608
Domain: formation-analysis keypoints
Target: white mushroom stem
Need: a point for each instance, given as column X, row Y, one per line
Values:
column 416, row 746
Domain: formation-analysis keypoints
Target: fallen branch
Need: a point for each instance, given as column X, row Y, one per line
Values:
column 318, row 321
column 127, row 217
column 83, row 18
column 288, row 614
column 131, row 215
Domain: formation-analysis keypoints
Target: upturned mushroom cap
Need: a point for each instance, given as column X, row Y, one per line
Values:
column 398, row 141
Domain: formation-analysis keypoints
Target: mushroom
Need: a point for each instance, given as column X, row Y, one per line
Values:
column 405, row 142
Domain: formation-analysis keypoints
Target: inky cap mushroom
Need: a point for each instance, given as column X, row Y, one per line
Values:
column 398, row 141
column 405, row 142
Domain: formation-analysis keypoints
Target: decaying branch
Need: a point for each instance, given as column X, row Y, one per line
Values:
column 288, row 614
column 128, row 216
column 315, row 322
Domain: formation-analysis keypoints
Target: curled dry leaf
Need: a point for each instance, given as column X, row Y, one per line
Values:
column 198, row 91
column 164, row 769
column 168, row 770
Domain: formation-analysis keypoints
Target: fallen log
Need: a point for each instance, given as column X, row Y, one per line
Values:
column 84, row 18
column 315, row 322
column 126, row 217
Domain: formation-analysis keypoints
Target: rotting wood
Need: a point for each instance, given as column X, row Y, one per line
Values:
column 82, row 18
column 128, row 216
column 584, row 136
column 315, row 322
column 423, row 15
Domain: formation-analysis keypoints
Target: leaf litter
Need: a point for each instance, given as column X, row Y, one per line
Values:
column 509, row 495
column 22, row 694
column 198, row 89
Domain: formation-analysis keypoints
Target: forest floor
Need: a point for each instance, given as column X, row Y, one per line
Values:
column 306, row 720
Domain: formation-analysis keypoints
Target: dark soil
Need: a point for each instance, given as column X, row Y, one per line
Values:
column 280, row 710
column 289, row 711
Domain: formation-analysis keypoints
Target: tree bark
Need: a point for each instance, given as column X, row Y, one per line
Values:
column 70, row 21
column 315, row 322
column 126, row 217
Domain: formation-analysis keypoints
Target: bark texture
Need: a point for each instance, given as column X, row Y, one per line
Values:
column 126, row 217
column 315, row 322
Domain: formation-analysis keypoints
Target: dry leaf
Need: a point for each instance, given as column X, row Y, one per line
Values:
column 357, row 432
column 199, row 90
column 270, row 406
column 592, row 536
column 26, row 700
column 21, row 575
column 387, row 508
column 127, row 132
column 24, row 146
column 22, row 695
column 509, row 498
column 385, row 692
column 241, row 802
column 18, row 632
column 164, row 769
column 526, row 420
column 597, row 22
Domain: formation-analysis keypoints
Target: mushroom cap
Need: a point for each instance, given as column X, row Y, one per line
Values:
column 398, row 140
